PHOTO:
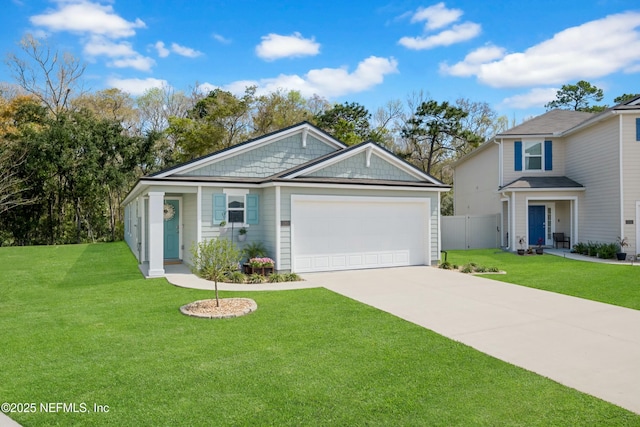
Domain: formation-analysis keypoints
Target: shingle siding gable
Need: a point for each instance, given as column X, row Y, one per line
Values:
column 356, row 167
column 266, row 160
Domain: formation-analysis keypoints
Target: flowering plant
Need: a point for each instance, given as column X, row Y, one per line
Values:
column 261, row 262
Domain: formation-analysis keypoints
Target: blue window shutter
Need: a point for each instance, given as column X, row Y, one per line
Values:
column 219, row 208
column 548, row 155
column 637, row 129
column 517, row 161
column 253, row 213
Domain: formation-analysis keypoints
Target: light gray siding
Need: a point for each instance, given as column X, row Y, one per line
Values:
column 593, row 161
column 267, row 159
column 189, row 230
column 356, row 167
column 631, row 182
column 476, row 184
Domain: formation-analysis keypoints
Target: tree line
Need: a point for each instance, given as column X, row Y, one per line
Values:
column 68, row 156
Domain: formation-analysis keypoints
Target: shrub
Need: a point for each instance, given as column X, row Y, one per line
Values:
column 481, row 269
column 608, row 250
column 468, row 268
column 276, row 278
column 256, row 278
column 236, row 277
column 255, row 250
column 445, row 265
column 580, row 248
column 493, row 270
column 291, row 277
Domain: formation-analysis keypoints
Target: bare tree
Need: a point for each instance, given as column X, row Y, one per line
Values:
column 47, row 74
column 12, row 186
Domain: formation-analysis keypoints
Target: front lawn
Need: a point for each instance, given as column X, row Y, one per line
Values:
column 79, row 325
column 613, row 284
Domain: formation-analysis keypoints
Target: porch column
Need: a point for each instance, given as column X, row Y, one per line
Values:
column 156, row 234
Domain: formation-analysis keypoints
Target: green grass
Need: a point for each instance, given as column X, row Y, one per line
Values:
column 612, row 284
column 78, row 324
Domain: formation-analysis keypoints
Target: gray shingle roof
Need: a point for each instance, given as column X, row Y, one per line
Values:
column 551, row 122
column 542, row 182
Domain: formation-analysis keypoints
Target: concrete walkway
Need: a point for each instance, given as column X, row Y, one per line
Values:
column 590, row 346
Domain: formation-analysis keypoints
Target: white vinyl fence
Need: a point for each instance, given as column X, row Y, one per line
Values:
column 471, row 232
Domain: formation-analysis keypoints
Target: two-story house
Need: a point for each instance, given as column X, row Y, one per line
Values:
column 564, row 171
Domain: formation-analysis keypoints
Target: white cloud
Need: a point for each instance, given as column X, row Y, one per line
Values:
column 221, row 39
column 437, row 16
column 138, row 62
column 275, row 46
column 534, row 98
column 136, row 86
column 83, row 16
column 163, row 52
column 122, row 54
column 100, row 46
column 591, row 50
column 326, row 82
column 457, row 33
column 184, row 51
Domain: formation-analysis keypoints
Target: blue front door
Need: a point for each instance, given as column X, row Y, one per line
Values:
column 171, row 229
column 536, row 224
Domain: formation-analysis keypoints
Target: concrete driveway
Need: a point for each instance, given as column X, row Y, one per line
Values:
column 590, row 346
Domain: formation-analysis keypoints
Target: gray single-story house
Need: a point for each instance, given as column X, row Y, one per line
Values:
column 315, row 203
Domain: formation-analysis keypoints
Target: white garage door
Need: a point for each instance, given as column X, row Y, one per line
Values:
column 345, row 233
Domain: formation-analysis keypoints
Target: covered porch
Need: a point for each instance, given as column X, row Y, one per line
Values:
column 533, row 209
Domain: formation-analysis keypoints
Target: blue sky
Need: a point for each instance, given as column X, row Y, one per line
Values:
column 512, row 54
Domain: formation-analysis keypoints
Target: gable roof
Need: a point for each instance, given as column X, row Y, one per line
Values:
column 367, row 147
column 551, row 123
column 302, row 127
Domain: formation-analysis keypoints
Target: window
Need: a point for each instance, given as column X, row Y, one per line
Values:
column 235, row 207
column 533, row 155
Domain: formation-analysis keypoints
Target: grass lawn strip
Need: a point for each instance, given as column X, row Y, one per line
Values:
column 611, row 284
column 80, row 324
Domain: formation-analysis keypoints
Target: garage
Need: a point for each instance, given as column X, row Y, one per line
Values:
column 350, row 232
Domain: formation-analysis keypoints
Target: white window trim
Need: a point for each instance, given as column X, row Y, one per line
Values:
column 237, row 192
column 525, row 156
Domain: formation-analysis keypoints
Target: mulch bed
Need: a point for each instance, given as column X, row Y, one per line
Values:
column 229, row 307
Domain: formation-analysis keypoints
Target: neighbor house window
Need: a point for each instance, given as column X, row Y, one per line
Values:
column 533, row 156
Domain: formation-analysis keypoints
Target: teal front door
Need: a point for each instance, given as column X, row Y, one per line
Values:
column 536, row 224
column 171, row 229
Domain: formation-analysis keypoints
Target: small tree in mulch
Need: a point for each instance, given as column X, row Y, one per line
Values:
column 214, row 259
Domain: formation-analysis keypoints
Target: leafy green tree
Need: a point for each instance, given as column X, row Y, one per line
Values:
column 213, row 259
column 278, row 110
column 625, row 97
column 217, row 121
column 578, row 97
column 435, row 134
column 348, row 122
